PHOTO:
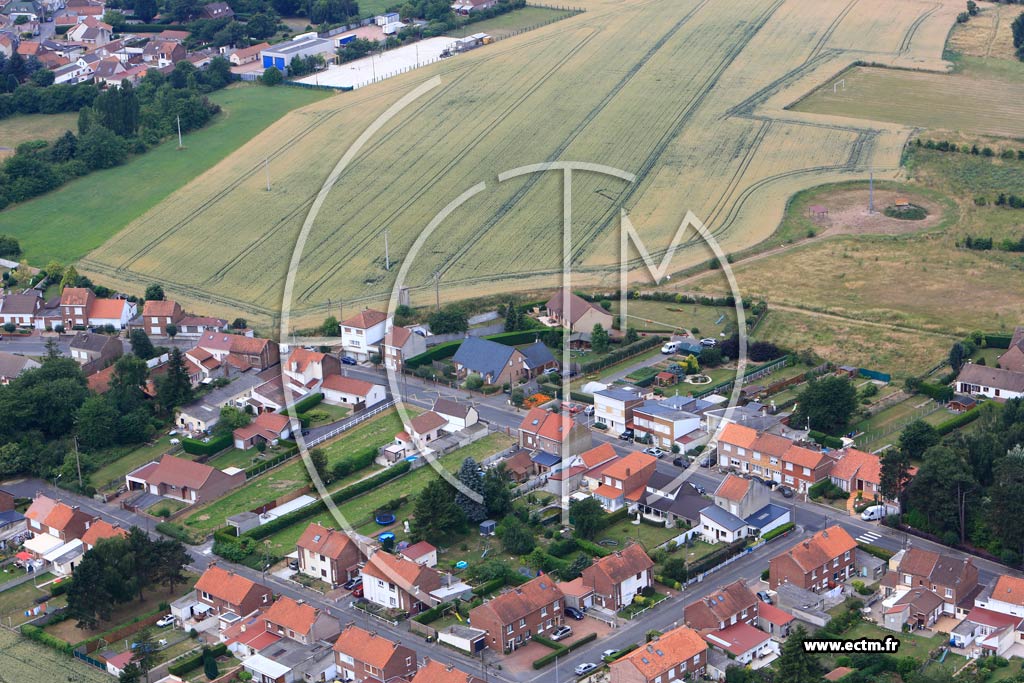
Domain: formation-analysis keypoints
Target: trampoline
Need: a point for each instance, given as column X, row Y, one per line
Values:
column 384, row 518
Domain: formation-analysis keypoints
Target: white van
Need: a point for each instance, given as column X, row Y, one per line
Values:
column 670, row 347
column 872, row 513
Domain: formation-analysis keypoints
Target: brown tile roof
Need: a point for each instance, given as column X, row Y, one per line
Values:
column 556, row 427
column 401, row 571
column 719, row 606
column 598, row 454
column 621, row 565
column 300, row 359
column 99, row 382
column 327, row 542
column 75, row 296
column 180, row 472
column 20, row 303
column 773, row 614
column 160, row 308
column 101, row 529
column 365, row 319
column 667, row 651
column 225, row 585
column 823, row 547
column 347, row 385
column 520, row 462
column 737, row 638
column 918, row 562
column 853, row 463
column 733, row 488
column 369, row 647
column 247, row 52
column 418, row 550
column 107, row 308
column 623, row 468
column 397, row 336
column 41, row 507
column 427, row 422
column 444, row 406
column 1009, row 589
column 992, row 377
column 738, row 435
column 578, row 306
column 291, row 615
column 268, row 425
column 518, row 602
column 434, row 671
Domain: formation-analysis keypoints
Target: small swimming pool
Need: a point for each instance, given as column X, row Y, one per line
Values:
column 386, row 536
column 461, row 564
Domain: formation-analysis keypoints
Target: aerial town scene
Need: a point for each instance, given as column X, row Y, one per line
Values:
column 511, row 341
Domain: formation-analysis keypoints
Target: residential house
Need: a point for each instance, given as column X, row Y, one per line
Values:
column 110, row 70
column 558, row 434
column 858, row 473
column 624, row 481
column 246, row 55
column 29, row 9
column 724, row 607
column 514, row 617
column 618, row 578
column 742, row 497
column 667, row 425
column 467, row 7
column 421, row 553
column 216, row 10
column 299, row 621
column 195, row 326
column 398, row 583
column 12, row 365
column 267, row 427
column 427, row 427
column 743, row 644
column 679, row 654
column 775, row 621
column 580, row 315
column 1013, row 358
column 185, row 480
column 434, row 671
column 994, row 632
column 362, row 334
column 360, row 394
column 401, row 343
column 20, row 309
column 520, row 466
column 364, row 656
column 458, row 415
column 70, row 74
column 770, row 456
column 222, row 590
column 538, row 358
column 203, row 414
column 75, row 306
column 328, row 555
column 917, row 608
column 306, row 370
column 614, row 407
column 954, row 580
column 173, row 36
column 668, row 501
column 1006, row 596
column 288, row 661
column 163, row 53
column 242, row 351
column 819, row 563
column 99, row 530
column 495, row 363
column 95, row 351
column 718, row 525
column 58, row 519
column 91, row 31
column 114, row 313
column 980, row 380
column 757, row 416
column 157, row 315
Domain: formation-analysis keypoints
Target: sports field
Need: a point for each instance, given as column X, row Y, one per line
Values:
column 968, row 102
column 689, row 95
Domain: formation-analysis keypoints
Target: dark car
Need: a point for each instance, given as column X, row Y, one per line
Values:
column 626, row 435
column 574, row 613
column 293, row 564
column 352, row 583
column 786, row 491
column 349, row 360
column 681, row 462
column 764, row 597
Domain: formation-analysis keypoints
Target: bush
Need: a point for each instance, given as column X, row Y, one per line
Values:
column 214, row 445
column 880, row 553
column 305, row 404
column 174, row 531
column 183, row 666
column 433, row 614
column 778, row 531
column 765, row 574
column 826, row 489
column 40, row 636
column 825, row 440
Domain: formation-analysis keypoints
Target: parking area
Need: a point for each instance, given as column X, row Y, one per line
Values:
column 521, row 660
column 360, row 72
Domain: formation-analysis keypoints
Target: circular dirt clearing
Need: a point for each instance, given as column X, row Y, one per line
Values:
column 848, row 213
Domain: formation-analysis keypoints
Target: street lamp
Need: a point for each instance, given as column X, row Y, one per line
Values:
column 56, row 478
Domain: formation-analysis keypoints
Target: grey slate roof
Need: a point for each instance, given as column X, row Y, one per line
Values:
column 12, row 365
column 537, row 355
column 20, row 304
column 488, row 358
column 766, row 515
column 89, row 341
column 992, row 377
column 618, row 394
column 723, row 518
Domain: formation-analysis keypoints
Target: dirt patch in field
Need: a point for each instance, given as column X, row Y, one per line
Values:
column 848, row 213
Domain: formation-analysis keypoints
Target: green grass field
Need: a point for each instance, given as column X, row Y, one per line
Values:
column 106, row 201
column 518, row 20
column 359, row 511
column 24, row 660
column 14, row 601
column 972, row 101
column 111, row 476
column 709, row 321
column 15, row 130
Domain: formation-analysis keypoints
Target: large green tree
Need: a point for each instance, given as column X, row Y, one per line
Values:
column 1007, row 500
column 497, row 495
column 895, row 473
column 141, row 345
column 794, row 665
column 126, row 383
column 174, row 388
column 437, row 518
column 916, row 438
column 587, row 517
column 96, row 423
column 516, row 538
column 826, row 405
column 942, row 491
column 599, row 340
column 469, row 477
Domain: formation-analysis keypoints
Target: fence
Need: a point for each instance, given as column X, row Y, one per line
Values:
column 874, row 374
column 752, row 374
column 89, row 660
column 725, row 563
column 868, row 437
column 352, row 422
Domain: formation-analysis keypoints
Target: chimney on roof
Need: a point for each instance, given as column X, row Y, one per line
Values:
column 449, row 667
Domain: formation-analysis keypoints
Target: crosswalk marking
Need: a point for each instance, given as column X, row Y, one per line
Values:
column 868, row 537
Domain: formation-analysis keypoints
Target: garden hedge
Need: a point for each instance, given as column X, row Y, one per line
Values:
column 262, row 467
column 778, row 531
column 589, row 638
column 183, row 666
column 40, row 636
column 174, row 531
column 823, row 439
column 880, row 553
column 581, row 397
column 432, row 614
column 592, row 548
column 939, row 392
column 953, row 423
column 214, row 445
column 305, row 404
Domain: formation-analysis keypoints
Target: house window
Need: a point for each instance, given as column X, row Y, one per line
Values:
column 907, row 579
column 657, row 679
column 206, row 596
column 949, row 592
column 671, row 674
column 639, row 575
column 789, row 466
column 835, row 562
column 846, row 556
column 380, row 583
column 696, row 660
column 543, row 611
column 741, row 451
column 807, row 471
column 757, row 456
column 509, row 629
column 726, row 447
column 522, row 623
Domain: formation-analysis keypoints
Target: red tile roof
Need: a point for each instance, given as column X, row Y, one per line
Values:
column 427, row 422
column 619, row 566
column 159, row 308
column 823, row 547
column 290, row 614
column 719, row 606
column 225, row 585
column 623, row 468
column 733, row 488
column 101, row 529
column 401, row 571
column 1009, row 589
column 108, row 308
column 397, row 336
column 365, row 319
column 418, row 550
column 667, row 651
column 518, row 602
column 598, row 454
column 853, row 463
column 738, row 638
column 178, row 472
column 434, row 671
column 347, row 385
column 773, row 614
column 268, row 425
column 301, row 358
column 75, row 296
column 327, row 542
column 368, row 647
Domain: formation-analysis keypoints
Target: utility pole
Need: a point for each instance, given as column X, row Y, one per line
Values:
column 78, row 462
column 387, row 257
column 266, row 167
column 437, row 289
column 179, row 132
column 871, row 190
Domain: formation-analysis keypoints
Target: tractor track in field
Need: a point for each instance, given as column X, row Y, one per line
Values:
column 908, row 37
column 827, row 35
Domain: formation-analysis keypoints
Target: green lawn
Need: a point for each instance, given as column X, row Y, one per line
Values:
column 15, row 601
column 359, row 511
column 664, row 315
column 650, row 536
column 168, row 504
column 106, row 201
column 111, row 476
column 911, row 644
column 15, row 130
column 332, row 413
column 288, row 477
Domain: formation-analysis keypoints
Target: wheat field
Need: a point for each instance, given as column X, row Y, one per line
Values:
column 688, row 95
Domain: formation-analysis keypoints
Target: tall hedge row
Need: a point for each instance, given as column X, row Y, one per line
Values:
column 211, row 447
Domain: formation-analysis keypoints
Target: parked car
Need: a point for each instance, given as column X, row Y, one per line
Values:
column 708, row 342
column 608, row 653
column 626, row 435
column 670, row 347
column 551, row 371
column 574, row 613
column 589, row 410
column 655, row 451
column 873, row 512
column 165, row 620
column 681, row 462
column 293, row 564
column 764, row 597
column 561, row 633
column 700, row 489
column 786, row 491
column 358, row 592
column 584, row 668
column 352, row 583
column 572, row 408
column 349, row 360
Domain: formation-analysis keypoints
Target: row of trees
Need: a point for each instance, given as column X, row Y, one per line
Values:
column 1018, row 35
column 965, row 483
column 119, row 121
column 947, row 146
